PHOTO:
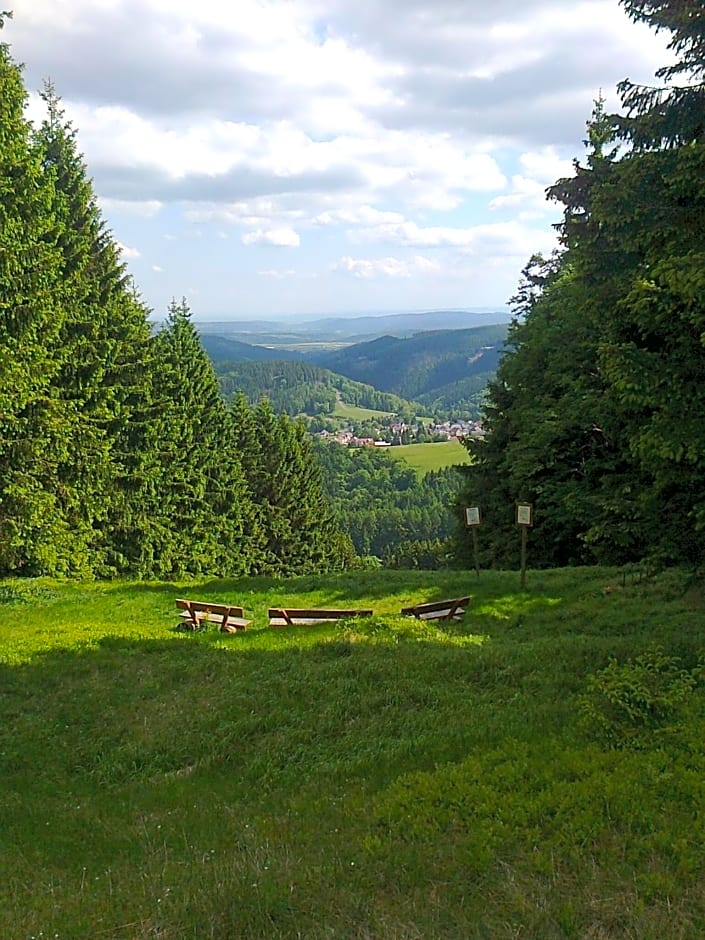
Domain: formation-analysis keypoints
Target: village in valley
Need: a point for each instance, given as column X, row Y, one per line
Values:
column 401, row 432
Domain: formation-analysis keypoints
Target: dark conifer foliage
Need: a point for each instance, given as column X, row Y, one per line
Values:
column 198, row 510
column 672, row 114
column 598, row 411
column 387, row 511
column 118, row 454
column 298, row 532
column 33, row 534
column 102, row 351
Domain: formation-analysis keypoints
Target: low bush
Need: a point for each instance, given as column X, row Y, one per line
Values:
column 634, row 704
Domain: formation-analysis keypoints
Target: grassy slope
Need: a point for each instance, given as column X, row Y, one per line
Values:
column 355, row 413
column 381, row 781
column 425, row 457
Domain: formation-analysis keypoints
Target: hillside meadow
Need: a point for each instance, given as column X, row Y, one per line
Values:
column 536, row 771
column 357, row 413
column 426, row 457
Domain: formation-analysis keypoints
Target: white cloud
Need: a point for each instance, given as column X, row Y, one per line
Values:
column 366, row 268
column 358, row 215
column 146, row 209
column 127, row 252
column 427, row 265
column 280, row 238
column 218, row 130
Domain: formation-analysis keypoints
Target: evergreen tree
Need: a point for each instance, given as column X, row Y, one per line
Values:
column 33, row 533
column 198, row 509
column 103, row 380
column 670, row 115
column 547, row 440
column 654, row 355
column 299, row 533
column 618, row 449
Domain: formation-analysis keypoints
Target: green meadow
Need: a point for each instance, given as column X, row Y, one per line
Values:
column 425, row 457
column 356, row 413
column 536, row 771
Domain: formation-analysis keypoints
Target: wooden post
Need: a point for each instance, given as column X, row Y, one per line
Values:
column 473, row 520
column 524, row 519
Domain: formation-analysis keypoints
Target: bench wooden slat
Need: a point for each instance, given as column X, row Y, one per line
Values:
column 229, row 616
column 297, row 616
column 439, row 610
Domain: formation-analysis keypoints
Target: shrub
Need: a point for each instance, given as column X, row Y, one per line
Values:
column 635, row 703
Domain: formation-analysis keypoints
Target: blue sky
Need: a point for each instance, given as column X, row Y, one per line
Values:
column 275, row 158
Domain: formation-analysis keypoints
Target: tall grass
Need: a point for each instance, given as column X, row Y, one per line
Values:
column 379, row 778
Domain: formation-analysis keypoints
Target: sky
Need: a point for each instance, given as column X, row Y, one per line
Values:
column 270, row 159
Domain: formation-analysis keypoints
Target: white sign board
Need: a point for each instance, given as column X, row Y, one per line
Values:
column 472, row 516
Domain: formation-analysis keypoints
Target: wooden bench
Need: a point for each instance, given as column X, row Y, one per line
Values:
column 196, row 614
column 294, row 617
column 439, row 610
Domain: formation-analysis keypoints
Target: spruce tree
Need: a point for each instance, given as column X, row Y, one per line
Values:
column 654, row 354
column 671, row 114
column 298, row 530
column 200, row 511
column 34, row 538
column 627, row 317
column 103, row 379
column 550, row 439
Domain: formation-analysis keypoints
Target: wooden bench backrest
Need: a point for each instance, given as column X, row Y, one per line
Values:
column 455, row 606
column 292, row 614
column 203, row 606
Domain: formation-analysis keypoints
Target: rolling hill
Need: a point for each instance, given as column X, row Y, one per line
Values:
column 302, row 388
column 225, row 349
column 437, row 370
column 423, row 367
column 352, row 329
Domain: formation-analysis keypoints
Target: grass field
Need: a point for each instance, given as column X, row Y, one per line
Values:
column 536, row 772
column 354, row 413
column 425, row 457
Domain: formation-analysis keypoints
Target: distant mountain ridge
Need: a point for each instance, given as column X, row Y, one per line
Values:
column 440, row 369
column 367, row 327
column 406, row 323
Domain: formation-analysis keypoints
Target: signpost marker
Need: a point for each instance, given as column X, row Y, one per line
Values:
column 525, row 519
column 473, row 521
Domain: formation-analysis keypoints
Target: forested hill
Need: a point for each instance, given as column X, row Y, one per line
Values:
column 432, row 367
column 223, row 349
column 295, row 388
column 445, row 370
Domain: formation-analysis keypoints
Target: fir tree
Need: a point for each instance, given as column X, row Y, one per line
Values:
column 103, row 381
column 298, row 531
column 612, row 440
column 33, row 533
column 669, row 115
column 200, row 512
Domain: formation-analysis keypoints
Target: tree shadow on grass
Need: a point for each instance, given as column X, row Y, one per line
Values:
column 149, row 786
column 349, row 584
column 67, row 711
